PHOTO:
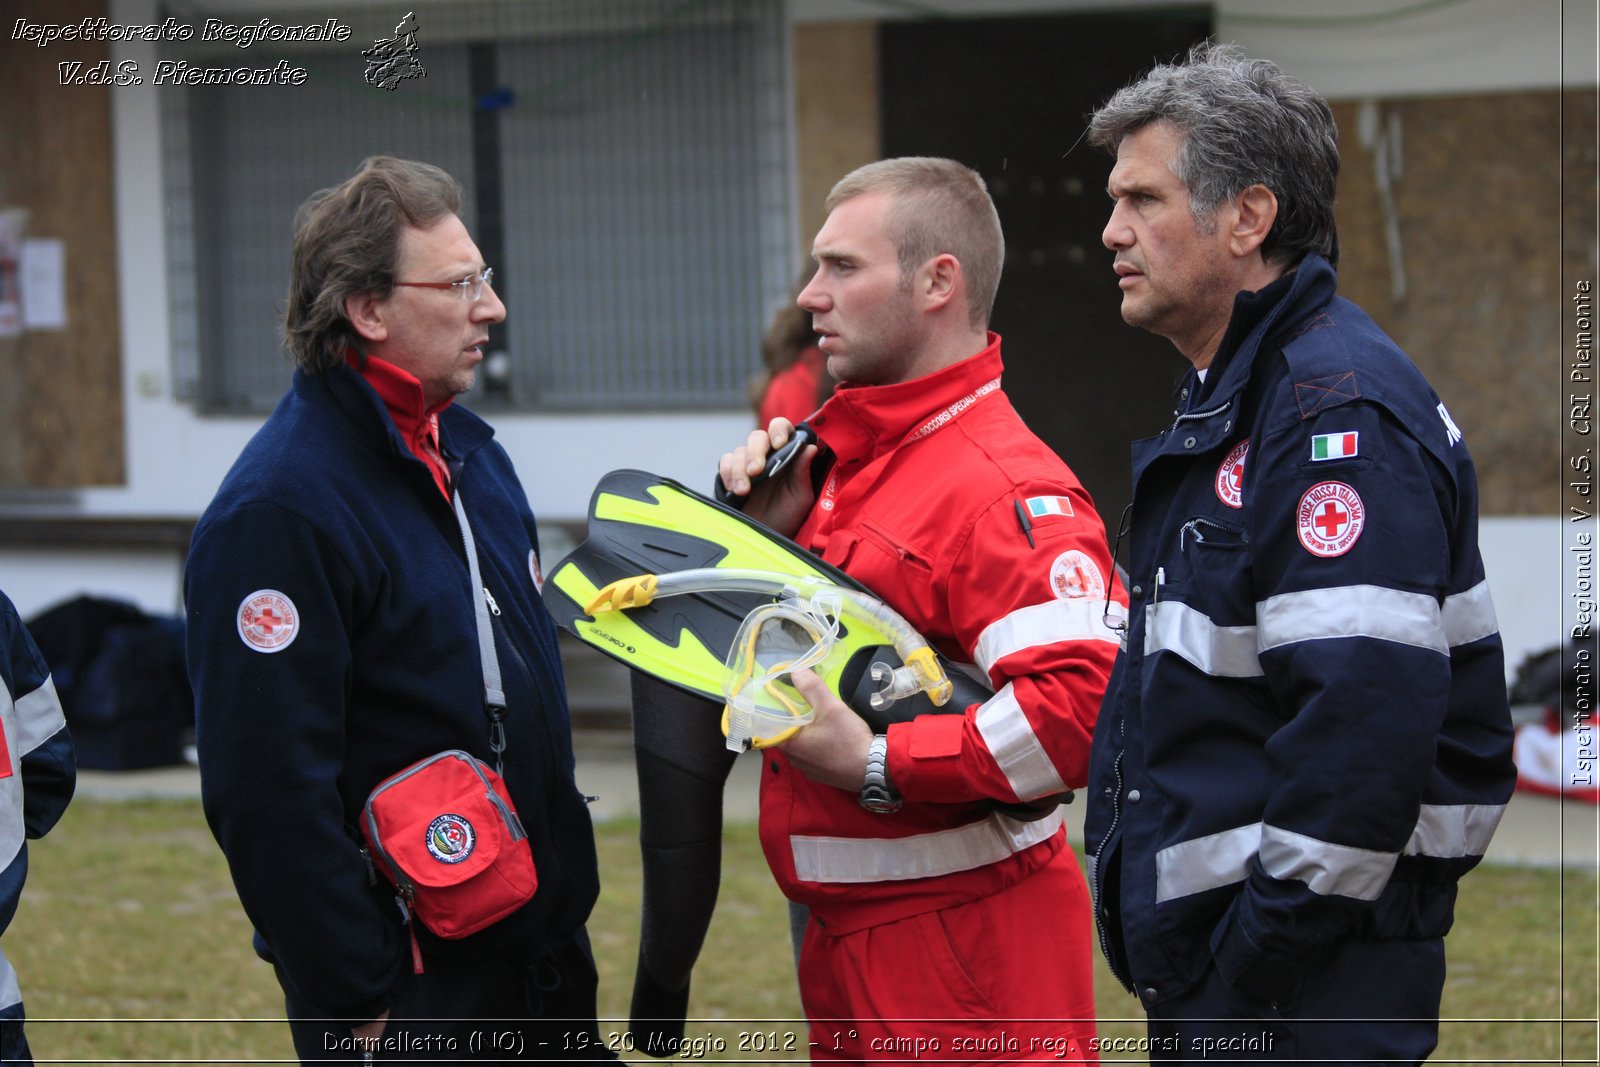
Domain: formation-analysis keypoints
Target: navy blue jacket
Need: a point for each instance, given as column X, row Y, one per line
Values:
column 37, row 771
column 1306, row 737
column 332, row 642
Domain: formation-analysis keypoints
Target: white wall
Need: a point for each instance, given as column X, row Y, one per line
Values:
column 1523, row 559
column 37, row 578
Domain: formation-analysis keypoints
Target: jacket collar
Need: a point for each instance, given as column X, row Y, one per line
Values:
column 401, row 393
column 1256, row 316
column 863, row 421
column 367, row 415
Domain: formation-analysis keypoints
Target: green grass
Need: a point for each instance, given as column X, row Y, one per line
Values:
column 131, row 945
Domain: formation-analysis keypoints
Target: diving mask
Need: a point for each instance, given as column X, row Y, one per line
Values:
column 763, row 706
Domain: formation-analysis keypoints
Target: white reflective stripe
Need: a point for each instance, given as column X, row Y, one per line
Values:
column 1443, row 831
column 1328, row 869
column 10, row 991
column 12, row 821
column 1345, row 611
column 1454, row 831
column 1078, row 619
column 1469, row 616
column 1016, row 748
column 1220, row 651
column 39, row 716
column 1351, row 611
column 892, row 859
column 1206, row 862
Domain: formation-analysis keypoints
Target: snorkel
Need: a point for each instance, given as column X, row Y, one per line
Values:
column 798, row 629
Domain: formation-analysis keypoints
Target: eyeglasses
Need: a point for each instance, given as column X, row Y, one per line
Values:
column 471, row 287
column 1113, row 616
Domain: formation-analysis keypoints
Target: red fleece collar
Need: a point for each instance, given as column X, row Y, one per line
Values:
column 401, row 393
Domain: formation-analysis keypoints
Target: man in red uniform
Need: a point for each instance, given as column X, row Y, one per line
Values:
column 939, row 924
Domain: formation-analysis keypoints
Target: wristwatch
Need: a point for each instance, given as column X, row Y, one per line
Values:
column 877, row 794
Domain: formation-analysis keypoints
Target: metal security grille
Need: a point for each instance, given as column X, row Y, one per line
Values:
column 627, row 167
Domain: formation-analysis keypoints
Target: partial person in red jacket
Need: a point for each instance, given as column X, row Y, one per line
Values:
column 938, row 923
column 794, row 378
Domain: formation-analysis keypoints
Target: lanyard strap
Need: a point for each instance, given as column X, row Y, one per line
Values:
column 494, row 697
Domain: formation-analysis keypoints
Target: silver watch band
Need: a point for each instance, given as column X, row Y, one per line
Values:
column 878, row 794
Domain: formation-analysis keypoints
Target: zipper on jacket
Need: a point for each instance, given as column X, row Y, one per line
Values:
column 1102, row 916
column 1222, row 533
column 1197, row 415
column 527, row 673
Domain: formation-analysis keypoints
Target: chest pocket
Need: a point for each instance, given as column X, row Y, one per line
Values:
column 1207, row 567
column 896, row 573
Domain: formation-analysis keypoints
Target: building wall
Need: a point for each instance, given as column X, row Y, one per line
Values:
column 61, row 422
column 836, row 111
column 1455, row 241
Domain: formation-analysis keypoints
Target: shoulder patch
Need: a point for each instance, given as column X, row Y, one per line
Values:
column 535, row 571
column 1230, row 476
column 1074, row 576
column 1330, row 518
column 1343, row 445
column 1041, row 506
column 268, row 621
column 1317, row 394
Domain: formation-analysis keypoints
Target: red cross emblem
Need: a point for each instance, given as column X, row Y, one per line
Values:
column 1330, row 517
column 1074, row 575
column 268, row 621
column 1230, row 476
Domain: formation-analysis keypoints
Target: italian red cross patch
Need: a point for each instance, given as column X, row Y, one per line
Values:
column 1330, row 518
column 1074, row 575
column 267, row 621
column 1230, row 476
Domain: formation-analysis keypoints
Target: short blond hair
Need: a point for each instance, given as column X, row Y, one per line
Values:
column 937, row 206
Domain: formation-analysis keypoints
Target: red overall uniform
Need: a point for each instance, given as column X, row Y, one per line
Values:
column 948, row 923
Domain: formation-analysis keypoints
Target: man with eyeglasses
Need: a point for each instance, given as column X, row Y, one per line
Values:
column 333, row 640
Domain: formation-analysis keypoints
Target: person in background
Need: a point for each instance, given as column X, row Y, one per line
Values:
column 794, row 380
column 1306, row 741
column 934, row 914
column 37, row 779
column 333, row 628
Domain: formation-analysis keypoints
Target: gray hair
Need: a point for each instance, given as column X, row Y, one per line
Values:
column 937, row 206
column 1245, row 122
column 347, row 242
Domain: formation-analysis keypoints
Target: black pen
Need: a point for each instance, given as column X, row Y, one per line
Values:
column 1022, row 521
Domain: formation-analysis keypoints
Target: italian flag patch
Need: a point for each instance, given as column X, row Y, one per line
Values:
column 1040, row 506
column 1334, row 445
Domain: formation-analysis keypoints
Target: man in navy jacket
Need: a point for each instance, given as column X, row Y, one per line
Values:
column 1306, row 740
column 333, row 641
column 37, row 778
